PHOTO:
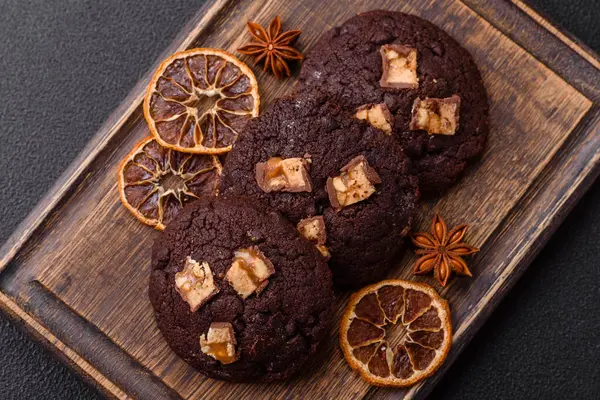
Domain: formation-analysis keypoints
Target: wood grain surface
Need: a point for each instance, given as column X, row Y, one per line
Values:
column 77, row 270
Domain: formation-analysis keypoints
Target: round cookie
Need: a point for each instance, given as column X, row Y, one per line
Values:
column 346, row 64
column 237, row 293
column 363, row 239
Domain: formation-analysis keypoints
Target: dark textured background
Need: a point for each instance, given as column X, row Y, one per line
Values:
column 65, row 65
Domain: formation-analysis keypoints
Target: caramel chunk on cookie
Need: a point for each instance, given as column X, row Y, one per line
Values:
column 219, row 342
column 378, row 115
column 355, row 183
column 283, row 175
column 195, row 283
column 313, row 229
column 249, row 271
column 399, row 64
column 436, row 116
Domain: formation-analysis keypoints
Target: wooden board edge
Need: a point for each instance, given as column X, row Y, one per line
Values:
column 75, row 173
column 58, row 348
column 536, row 35
column 584, row 51
column 93, row 345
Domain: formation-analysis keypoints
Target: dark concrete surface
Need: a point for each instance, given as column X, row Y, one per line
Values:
column 66, row 64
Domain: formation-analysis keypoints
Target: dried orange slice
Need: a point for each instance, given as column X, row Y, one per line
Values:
column 396, row 332
column 155, row 182
column 199, row 99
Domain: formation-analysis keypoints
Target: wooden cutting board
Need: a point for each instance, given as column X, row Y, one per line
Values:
column 75, row 272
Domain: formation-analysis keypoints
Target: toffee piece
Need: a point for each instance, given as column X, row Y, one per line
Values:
column 378, row 115
column 436, row 116
column 195, row 283
column 243, row 336
column 249, row 271
column 399, row 64
column 219, row 342
column 313, row 229
column 286, row 175
column 355, row 183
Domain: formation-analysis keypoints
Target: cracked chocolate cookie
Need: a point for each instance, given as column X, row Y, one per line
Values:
column 346, row 184
column 409, row 78
column 237, row 293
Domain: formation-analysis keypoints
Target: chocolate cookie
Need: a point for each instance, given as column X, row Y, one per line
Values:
column 237, row 293
column 425, row 84
column 345, row 183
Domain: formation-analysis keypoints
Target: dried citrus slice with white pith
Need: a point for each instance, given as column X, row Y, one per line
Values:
column 155, row 182
column 396, row 332
column 199, row 99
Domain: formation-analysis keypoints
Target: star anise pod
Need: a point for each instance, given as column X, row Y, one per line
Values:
column 273, row 47
column 442, row 251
